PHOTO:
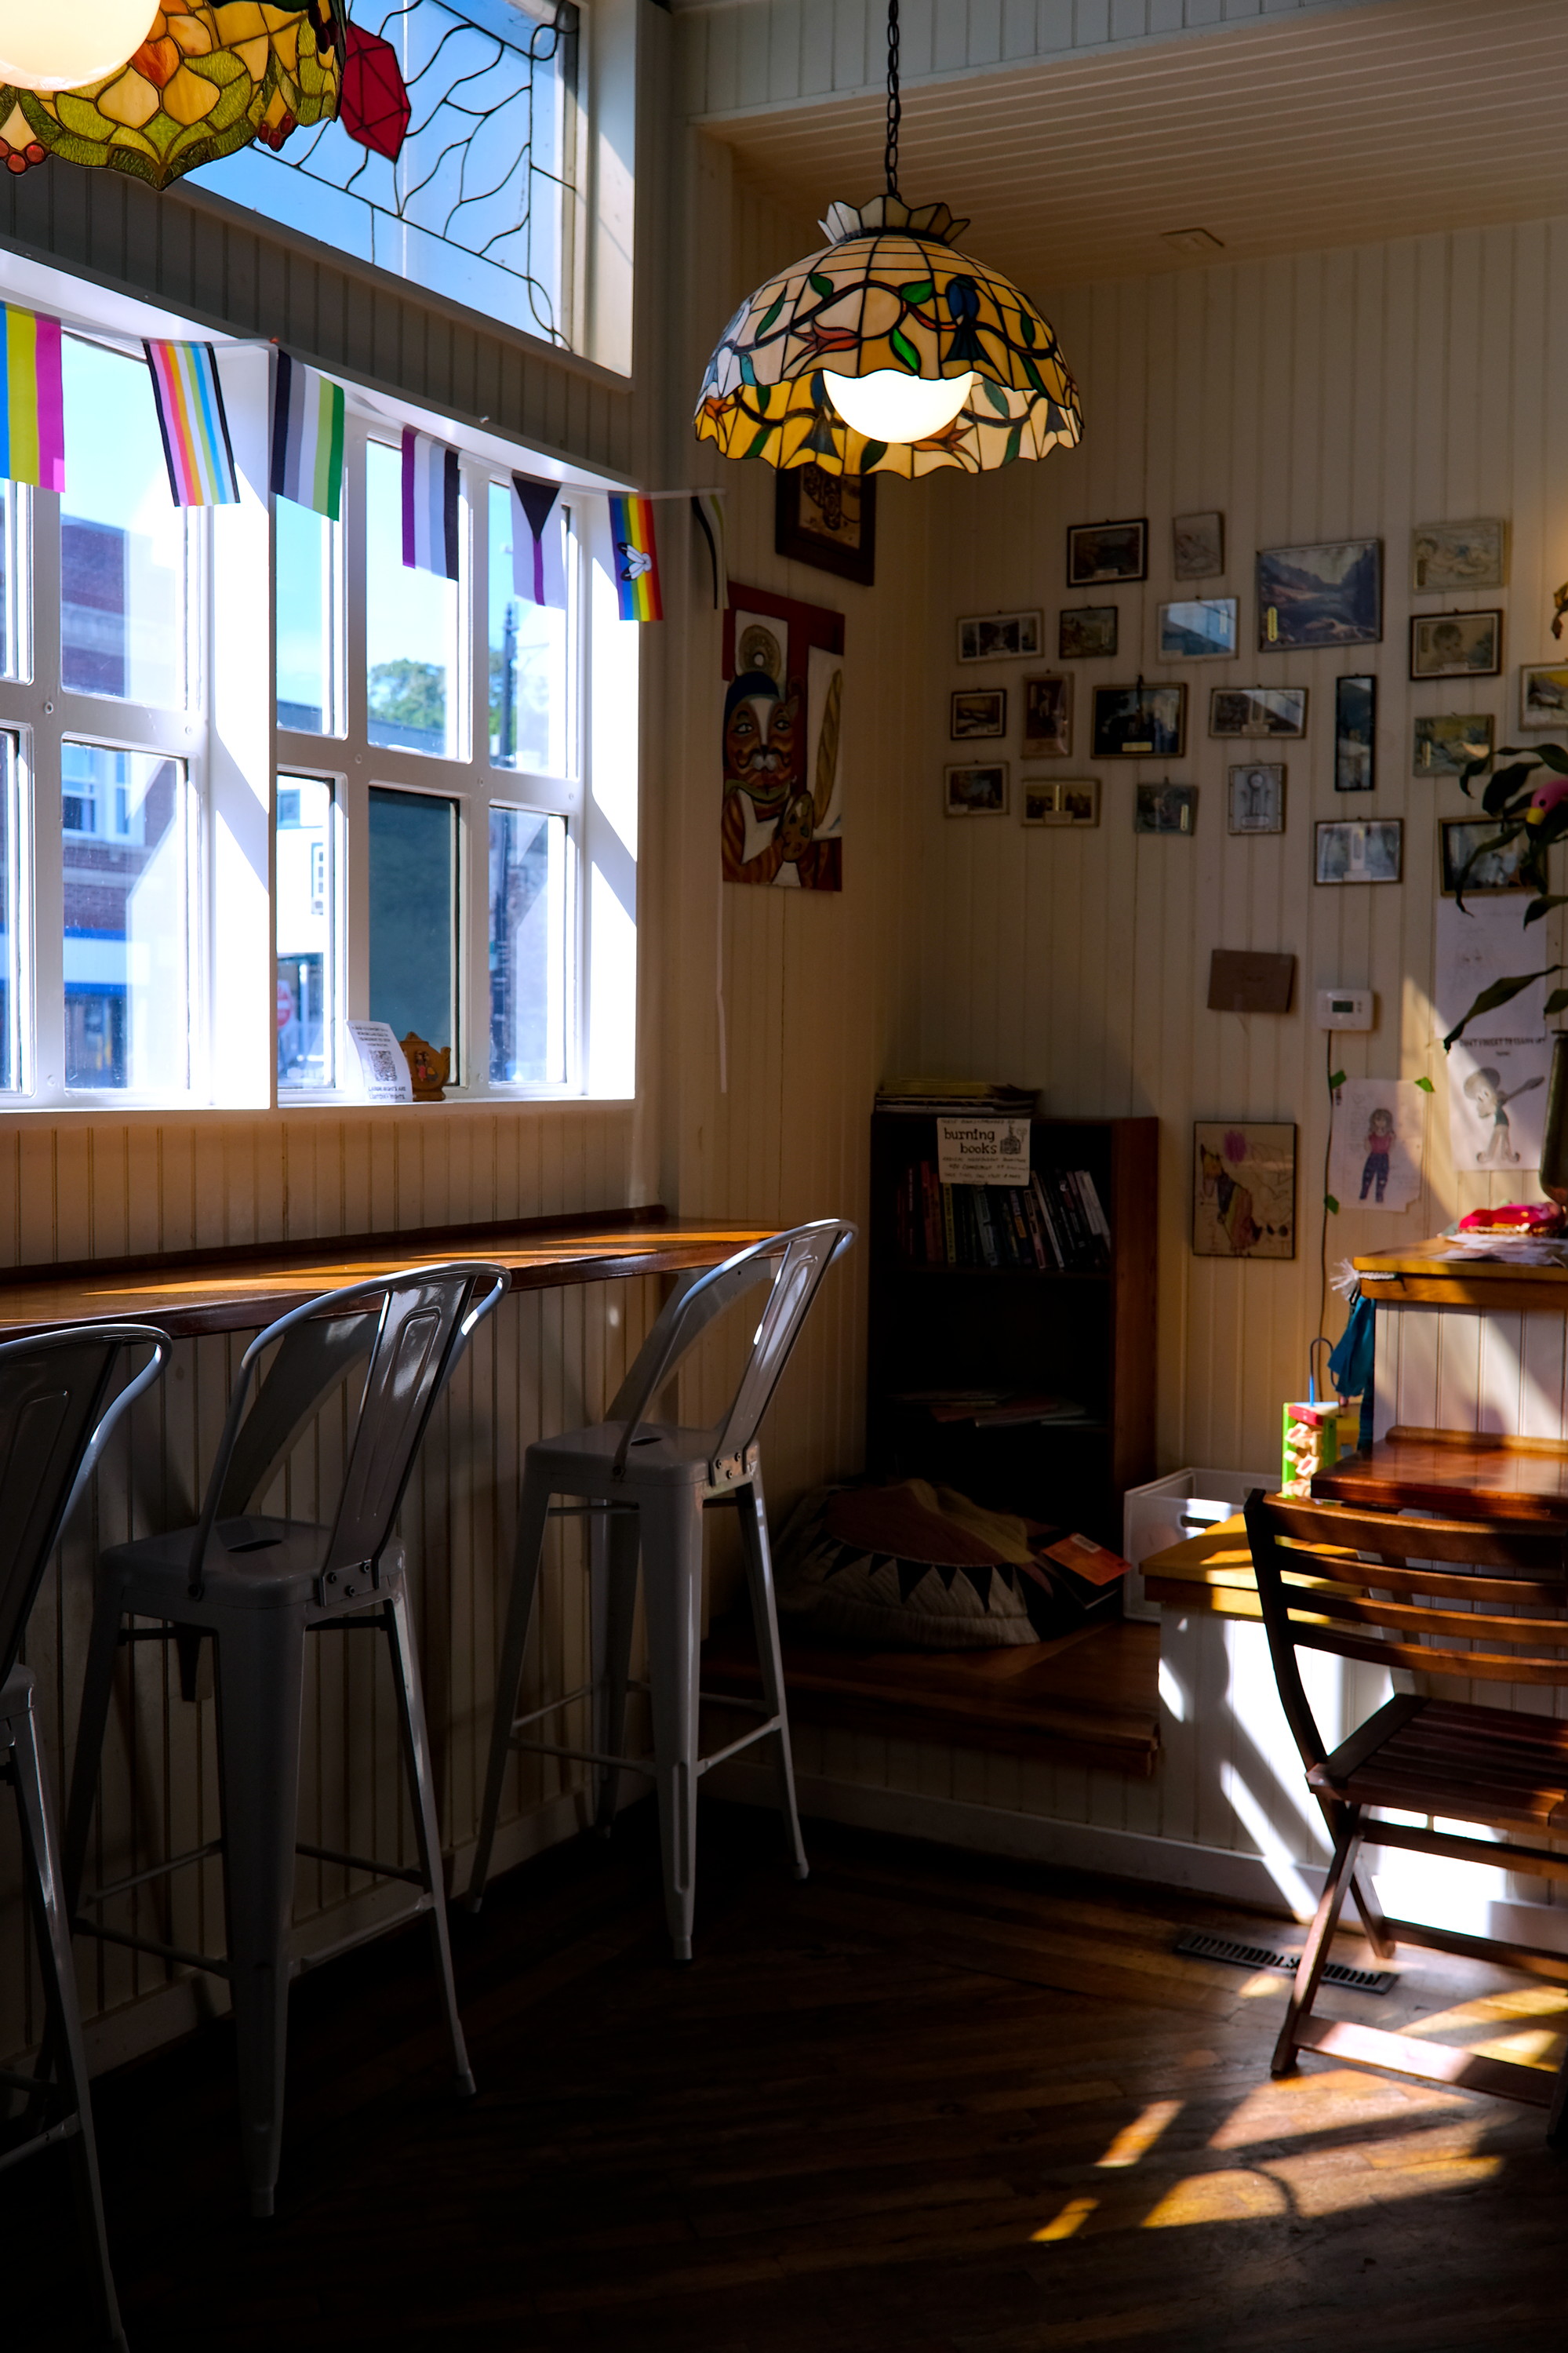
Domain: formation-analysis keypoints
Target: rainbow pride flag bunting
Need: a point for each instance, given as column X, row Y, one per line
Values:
column 189, row 402
column 32, row 407
column 636, row 558
column 307, row 438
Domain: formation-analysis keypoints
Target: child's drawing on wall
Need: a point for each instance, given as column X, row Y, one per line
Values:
column 1489, row 1100
column 1381, row 1139
column 1378, row 1144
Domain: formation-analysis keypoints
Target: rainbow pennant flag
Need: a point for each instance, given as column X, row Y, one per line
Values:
column 189, row 401
column 32, row 406
column 636, row 558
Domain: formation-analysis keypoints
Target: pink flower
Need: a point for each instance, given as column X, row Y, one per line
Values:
column 1236, row 1146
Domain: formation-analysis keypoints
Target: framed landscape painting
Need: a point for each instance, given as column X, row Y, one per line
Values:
column 1134, row 722
column 1107, row 550
column 1543, row 697
column 1201, row 629
column 977, row 792
column 1084, row 631
column 1447, row 745
column 1000, row 637
column 978, row 711
column 1330, row 593
column 1257, row 711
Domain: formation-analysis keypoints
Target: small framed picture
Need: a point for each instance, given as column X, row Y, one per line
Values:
column 1244, row 1188
column 1197, row 546
column 1085, row 631
column 1165, row 809
column 1352, row 853
column 1326, row 594
column 1257, row 711
column 1444, row 556
column 828, row 520
column 1106, row 551
column 1257, row 798
column 1355, row 734
column 1456, row 645
column 1139, row 723
column 1201, row 629
column 978, row 711
column 1060, row 800
column 1047, row 718
column 1494, row 872
column 1543, row 698
column 977, row 792
column 1000, row 637
column 1446, row 745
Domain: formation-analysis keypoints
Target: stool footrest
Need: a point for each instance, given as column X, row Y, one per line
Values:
column 362, row 1862
column 583, row 1691
column 208, row 1961
column 643, row 1765
column 746, row 1740
column 153, row 1871
column 45, row 2139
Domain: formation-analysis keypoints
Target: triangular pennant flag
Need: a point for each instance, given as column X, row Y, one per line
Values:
column 979, row 1574
column 539, row 555
column 707, row 507
column 307, row 438
column 911, row 1574
column 636, row 558
column 430, row 504
column 32, row 405
column 189, row 401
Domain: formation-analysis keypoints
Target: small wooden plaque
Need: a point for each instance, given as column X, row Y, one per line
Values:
column 1243, row 981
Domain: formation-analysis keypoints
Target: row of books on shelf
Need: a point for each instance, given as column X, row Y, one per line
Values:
column 1000, row 1409
column 920, row 1098
column 1055, row 1224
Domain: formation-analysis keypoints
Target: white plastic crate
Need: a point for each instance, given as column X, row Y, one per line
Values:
column 1167, row 1511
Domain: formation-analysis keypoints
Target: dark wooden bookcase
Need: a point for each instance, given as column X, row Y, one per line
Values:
column 1088, row 1336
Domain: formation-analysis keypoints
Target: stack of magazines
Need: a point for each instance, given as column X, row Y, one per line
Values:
column 993, row 1408
column 1055, row 1224
column 925, row 1097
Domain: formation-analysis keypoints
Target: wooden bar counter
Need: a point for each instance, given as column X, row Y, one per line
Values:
column 241, row 1289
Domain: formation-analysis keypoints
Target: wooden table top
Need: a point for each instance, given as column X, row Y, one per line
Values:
column 1438, row 1274
column 1465, row 1476
column 241, row 1290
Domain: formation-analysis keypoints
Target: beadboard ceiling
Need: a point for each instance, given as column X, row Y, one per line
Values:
column 1331, row 128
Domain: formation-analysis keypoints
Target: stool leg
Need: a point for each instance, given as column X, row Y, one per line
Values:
column 617, row 1539
column 42, row 1864
column 673, row 1594
column 753, row 1515
column 97, row 1687
column 531, row 1517
column 259, row 1687
column 421, row 1788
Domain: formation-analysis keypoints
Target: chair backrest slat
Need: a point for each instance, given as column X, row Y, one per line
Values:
column 1490, row 1543
column 1409, row 1618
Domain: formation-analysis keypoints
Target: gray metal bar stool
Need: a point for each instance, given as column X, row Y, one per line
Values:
column 260, row 1586
column 647, row 1485
column 54, row 1420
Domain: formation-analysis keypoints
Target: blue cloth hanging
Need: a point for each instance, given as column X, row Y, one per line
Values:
column 1350, row 1365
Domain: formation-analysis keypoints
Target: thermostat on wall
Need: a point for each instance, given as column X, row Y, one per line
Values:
column 1346, row 1008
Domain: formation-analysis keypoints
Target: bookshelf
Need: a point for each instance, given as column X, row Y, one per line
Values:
column 1084, row 1333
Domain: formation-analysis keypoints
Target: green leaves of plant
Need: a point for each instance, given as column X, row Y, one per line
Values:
column 1330, row 1204
column 1502, row 992
column 1539, row 907
column 1426, row 1086
column 1336, row 1081
column 1558, row 1001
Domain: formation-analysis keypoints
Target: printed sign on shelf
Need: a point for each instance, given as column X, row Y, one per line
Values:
column 383, row 1065
column 982, row 1151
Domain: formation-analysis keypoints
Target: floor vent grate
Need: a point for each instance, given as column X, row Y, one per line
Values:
column 1200, row 1947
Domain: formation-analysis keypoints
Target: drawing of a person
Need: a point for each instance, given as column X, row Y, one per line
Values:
column 1380, row 1144
column 1484, row 1090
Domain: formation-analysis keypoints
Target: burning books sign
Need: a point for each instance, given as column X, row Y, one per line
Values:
column 982, row 1151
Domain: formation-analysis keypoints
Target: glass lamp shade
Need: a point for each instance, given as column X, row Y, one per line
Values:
column 55, row 47
column 205, row 80
column 889, row 296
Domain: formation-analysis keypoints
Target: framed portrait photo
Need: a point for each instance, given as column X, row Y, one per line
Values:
column 1456, row 645
column 1106, row 551
column 1139, row 723
column 1197, row 546
column 976, row 711
column 1330, row 593
column 1060, row 800
column 828, row 520
column 1543, row 697
column 1355, row 733
column 1257, row 711
column 1444, row 556
column 1244, row 1188
column 1165, row 809
column 1485, row 876
column 1047, row 718
column 1000, row 637
column 1202, row 629
column 1449, row 743
column 1256, row 798
column 976, row 792
column 1350, row 851
column 1085, row 631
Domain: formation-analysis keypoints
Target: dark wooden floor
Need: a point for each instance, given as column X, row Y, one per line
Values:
column 925, row 2104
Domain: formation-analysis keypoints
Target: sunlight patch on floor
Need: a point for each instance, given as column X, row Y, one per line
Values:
column 1326, row 2100
column 1135, row 2139
column 1074, row 2212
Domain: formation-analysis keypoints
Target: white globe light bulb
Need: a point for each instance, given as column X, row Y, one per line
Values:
column 66, row 43
column 888, row 405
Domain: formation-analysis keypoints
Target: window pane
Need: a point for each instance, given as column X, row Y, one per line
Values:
column 307, row 574
column 527, row 945
column 413, row 915
column 123, row 539
column 10, row 958
column 411, row 625
column 15, row 595
column 528, row 707
column 304, row 975
column 123, row 815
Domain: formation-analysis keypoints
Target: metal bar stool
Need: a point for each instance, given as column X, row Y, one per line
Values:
column 258, row 1586
column 53, row 1424
column 647, row 1485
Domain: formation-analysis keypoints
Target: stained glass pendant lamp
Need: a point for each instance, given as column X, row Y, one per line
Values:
column 889, row 352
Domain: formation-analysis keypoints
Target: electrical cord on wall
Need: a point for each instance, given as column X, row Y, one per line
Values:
column 1330, row 1207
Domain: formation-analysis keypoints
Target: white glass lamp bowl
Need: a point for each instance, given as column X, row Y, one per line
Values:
column 888, row 407
column 67, row 44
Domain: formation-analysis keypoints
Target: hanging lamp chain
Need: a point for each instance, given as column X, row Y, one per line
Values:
column 895, row 104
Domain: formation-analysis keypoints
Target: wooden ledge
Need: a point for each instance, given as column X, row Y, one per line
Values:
column 1090, row 1698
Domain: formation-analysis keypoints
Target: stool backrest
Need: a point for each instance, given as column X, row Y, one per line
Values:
column 794, row 1264
column 54, row 1415
column 413, row 1327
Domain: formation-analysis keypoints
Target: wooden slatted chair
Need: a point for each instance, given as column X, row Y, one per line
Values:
column 1358, row 1584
